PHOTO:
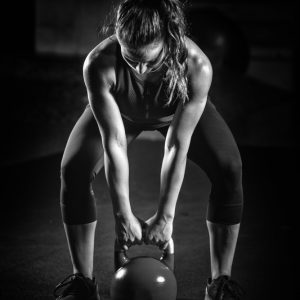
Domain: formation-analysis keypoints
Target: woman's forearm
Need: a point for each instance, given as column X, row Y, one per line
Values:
column 117, row 176
column 172, row 174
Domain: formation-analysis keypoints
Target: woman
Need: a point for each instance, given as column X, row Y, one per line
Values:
column 149, row 76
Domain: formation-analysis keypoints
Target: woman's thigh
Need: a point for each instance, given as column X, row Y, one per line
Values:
column 84, row 152
column 214, row 149
column 212, row 146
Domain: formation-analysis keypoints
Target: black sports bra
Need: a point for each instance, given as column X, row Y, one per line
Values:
column 141, row 97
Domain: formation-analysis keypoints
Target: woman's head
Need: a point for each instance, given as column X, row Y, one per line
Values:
column 145, row 58
column 157, row 26
column 140, row 22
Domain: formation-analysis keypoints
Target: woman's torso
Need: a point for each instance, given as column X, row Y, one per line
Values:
column 141, row 98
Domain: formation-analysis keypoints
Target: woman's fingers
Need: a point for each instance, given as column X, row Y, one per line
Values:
column 131, row 233
column 123, row 244
column 141, row 232
column 164, row 245
column 157, row 241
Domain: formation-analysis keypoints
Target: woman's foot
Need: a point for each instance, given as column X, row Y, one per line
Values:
column 223, row 288
column 77, row 287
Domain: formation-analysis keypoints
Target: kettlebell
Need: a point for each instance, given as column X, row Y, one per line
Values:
column 144, row 277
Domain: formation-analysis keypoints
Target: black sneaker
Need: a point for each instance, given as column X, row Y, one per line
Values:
column 223, row 288
column 77, row 287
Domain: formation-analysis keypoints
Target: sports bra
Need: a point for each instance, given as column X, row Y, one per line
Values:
column 142, row 97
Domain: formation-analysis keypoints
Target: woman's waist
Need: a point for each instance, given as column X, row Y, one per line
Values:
column 148, row 122
column 146, row 112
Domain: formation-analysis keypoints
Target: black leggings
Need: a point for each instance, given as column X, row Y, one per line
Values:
column 212, row 148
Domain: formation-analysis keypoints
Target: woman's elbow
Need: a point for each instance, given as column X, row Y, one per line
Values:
column 177, row 146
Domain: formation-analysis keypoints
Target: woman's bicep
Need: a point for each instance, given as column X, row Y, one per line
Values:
column 187, row 115
column 104, row 108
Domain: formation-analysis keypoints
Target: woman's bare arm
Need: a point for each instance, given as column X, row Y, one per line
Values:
column 97, row 77
column 180, row 132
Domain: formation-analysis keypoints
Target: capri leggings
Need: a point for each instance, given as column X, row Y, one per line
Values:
column 212, row 148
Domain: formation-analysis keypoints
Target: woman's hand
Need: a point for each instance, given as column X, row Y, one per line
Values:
column 128, row 231
column 158, row 231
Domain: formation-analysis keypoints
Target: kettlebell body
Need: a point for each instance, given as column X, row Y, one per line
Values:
column 143, row 277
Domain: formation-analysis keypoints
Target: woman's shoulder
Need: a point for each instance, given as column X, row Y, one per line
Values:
column 102, row 58
column 105, row 52
column 196, row 59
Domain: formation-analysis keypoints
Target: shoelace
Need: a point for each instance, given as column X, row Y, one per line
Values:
column 231, row 287
column 68, row 280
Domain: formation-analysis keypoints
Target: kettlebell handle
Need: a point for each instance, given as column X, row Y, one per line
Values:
column 121, row 258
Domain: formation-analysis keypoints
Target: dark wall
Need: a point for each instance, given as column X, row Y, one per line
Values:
column 43, row 44
column 18, row 27
column 70, row 27
column 271, row 32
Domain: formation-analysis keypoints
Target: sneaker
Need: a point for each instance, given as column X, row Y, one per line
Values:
column 77, row 287
column 223, row 288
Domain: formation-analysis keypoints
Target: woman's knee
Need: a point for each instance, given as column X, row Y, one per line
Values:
column 76, row 172
column 232, row 171
column 76, row 182
column 77, row 200
column 226, row 199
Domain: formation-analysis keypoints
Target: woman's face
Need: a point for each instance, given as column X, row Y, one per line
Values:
column 146, row 58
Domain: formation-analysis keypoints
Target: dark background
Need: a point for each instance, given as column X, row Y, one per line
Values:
column 43, row 46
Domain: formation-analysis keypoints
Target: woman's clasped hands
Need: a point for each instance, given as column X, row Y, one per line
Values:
column 131, row 230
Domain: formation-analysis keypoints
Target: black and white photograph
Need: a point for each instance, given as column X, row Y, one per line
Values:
column 149, row 150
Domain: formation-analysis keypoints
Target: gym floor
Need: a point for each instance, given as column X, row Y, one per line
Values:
column 33, row 250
